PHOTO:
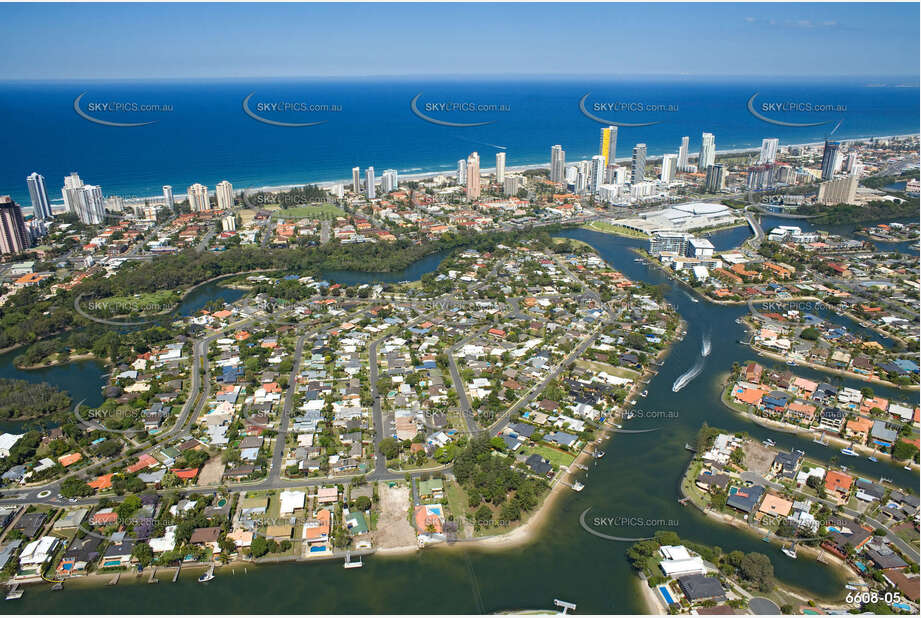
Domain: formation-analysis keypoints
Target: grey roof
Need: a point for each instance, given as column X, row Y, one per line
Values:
column 698, row 587
column 745, row 498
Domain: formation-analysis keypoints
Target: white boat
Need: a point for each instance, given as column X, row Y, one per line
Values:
column 849, row 452
column 598, row 454
column 907, row 467
column 790, row 551
column 644, row 393
column 632, row 402
column 577, row 486
column 873, row 459
column 767, row 442
column 792, row 363
column 207, row 576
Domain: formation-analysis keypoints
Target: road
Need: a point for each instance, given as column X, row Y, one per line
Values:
column 190, row 411
column 909, row 551
column 463, row 402
column 280, row 438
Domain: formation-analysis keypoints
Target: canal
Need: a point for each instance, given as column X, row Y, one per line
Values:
column 638, row 481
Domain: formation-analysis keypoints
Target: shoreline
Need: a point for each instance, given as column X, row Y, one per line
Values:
column 427, row 174
column 823, row 557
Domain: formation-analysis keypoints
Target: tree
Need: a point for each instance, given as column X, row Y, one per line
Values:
column 757, row 568
column 143, row 553
column 74, row 487
column 904, row 450
column 259, row 547
column 389, row 447
column 483, row 516
column 810, row 334
column 363, row 503
column 128, row 506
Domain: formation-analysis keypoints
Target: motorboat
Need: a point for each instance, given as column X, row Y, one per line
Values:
column 207, row 576
column 790, row 551
column 768, row 442
column 849, row 452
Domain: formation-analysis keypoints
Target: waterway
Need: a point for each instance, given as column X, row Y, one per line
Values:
column 638, row 478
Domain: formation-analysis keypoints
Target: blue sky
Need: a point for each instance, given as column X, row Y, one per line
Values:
column 140, row 41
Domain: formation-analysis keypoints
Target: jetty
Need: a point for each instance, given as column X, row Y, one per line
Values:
column 688, row 447
column 352, row 564
column 114, row 580
column 15, row 592
column 176, row 574
column 153, row 577
column 565, row 605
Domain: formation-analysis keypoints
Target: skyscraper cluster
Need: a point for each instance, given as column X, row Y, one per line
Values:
column 473, row 176
column 14, row 238
column 85, row 201
column 557, row 163
column 197, row 194
column 41, row 208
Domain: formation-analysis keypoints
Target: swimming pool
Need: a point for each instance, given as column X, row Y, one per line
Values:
column 663, row 590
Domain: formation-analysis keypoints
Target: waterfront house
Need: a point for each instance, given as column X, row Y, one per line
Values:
column 698, row 587
column 79, row 555
column 37, row 553
column 786, row 464
column 539, row 465
column 883, row 556
column 838, row 485
column 774, row 505
column 858, row 429
column 678, row 561
column 207, row 537
column 118, row 554
column 831, row 419
column 745, row 499
column 709, row 482
column 882, row 435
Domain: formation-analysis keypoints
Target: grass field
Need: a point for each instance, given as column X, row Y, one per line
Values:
column 313, row 211
column 554, row 456
column 607, row 228
column 620, row 372
column 153, row 302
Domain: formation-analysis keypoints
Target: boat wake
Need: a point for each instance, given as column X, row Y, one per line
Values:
column 685, row 378
column 705, row 346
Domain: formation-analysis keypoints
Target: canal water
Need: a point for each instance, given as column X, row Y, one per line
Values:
column 636, row 481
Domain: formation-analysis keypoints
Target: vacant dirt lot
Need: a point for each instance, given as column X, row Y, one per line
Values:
column 393, row 528
column 758, row 457
column 211, row 472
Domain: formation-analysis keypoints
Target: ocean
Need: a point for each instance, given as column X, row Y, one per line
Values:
column 201, row 132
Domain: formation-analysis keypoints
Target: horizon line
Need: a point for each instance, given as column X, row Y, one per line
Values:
column 408, row 76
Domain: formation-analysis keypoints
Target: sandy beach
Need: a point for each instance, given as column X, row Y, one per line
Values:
column 423, row 175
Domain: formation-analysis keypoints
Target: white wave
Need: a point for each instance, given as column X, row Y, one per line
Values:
column 705, row 346
column 685, row 378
